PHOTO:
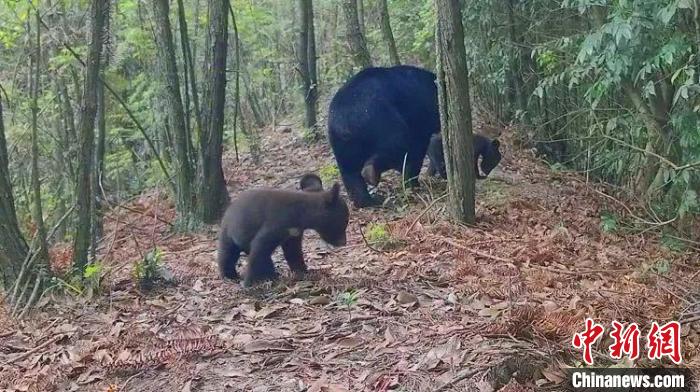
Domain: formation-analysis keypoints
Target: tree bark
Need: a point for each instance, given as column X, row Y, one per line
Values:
column 87, row 136
column 455, row 110
column 306, row 57
column 385, row 25
column 356, row 40
column 13, row 248
column 100, row 148
column 188, row 61
column 176, row 113
column 213, row 196
column 37, row 208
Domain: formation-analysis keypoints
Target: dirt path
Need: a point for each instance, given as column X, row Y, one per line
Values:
column 439, row 306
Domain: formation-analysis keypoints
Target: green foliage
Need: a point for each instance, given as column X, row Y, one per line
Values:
column 672, row 243
column 86, row 283
column 379, row 235
column 148, row 271
column 608, row 222
column 348, row 298
column 329, row 173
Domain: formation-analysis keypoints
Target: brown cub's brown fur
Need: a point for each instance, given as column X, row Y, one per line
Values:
column 310, row 182
column 260, row 220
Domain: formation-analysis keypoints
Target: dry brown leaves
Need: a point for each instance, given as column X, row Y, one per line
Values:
column 448, row 306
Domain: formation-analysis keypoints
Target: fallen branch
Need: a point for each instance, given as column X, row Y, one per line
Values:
column 367, row 242
column 476, row 252
column 35, row 349
column 424, row 212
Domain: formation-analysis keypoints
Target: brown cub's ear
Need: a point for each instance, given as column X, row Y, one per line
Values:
column 333, row 194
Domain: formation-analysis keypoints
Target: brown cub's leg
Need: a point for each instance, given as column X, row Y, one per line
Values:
column 260, row 266
column 293, row 253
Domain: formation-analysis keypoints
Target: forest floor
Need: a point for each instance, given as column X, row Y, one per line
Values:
column 435, row 306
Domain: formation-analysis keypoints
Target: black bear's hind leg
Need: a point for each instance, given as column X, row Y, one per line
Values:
column 294, row 255
column 228, row 254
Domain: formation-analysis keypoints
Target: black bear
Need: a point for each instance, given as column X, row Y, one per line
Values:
column 260, row 220
column 483, row 147
column 380, row 120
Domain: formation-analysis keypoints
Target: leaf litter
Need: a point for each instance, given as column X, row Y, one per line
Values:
column 449, row 308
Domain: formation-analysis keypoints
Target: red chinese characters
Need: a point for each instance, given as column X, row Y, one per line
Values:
column 662, row 341
column 587, row 338
column 626, row 341
column 665, row 341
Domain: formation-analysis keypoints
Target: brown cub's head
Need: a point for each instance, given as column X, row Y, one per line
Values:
column 310, row 182
column 335, row 217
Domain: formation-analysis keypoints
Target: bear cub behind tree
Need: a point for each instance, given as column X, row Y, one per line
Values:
column 483, row 147
column 260, row 220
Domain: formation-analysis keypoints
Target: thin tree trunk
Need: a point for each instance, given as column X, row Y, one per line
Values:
column 455, row 110
column 188, row 60
column 37, row 209
column 175, row 110
column 385, row 24
column 87, row 136
column 313, row 74
column 13, row 248
column 98, row 173
column 361, row 16
column 356, row 41
column 213, row 196
column 237, row 88
column 306, row 55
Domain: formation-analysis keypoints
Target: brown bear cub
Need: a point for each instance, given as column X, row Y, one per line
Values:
column 310, row 182
column 260, row 220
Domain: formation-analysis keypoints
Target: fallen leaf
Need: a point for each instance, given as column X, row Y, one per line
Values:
column 405, row 298
column 320, row 300
column 261, row 345
column 268, row 312
column 349, row 342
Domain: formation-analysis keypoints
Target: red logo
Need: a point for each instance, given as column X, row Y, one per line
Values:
column 665, row 341
column 626, row 341
column 587, row 338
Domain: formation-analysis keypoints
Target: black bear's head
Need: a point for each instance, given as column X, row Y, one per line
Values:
column 490, row 157
column 335, row 217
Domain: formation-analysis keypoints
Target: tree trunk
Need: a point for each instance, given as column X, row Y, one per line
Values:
column 306, row 57
column 13, row 248
column 98, row 173
column 189, row 73
column 213, row 196
column 358, row 45
column 455, row 110
column 385, row 24
column 37, row 209
column 87, row 136
column 176, row 113
column 361, row 16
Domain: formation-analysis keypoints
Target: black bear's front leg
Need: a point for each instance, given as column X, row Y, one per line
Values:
column 294, row 255
column 260, row 266
column 357, row 190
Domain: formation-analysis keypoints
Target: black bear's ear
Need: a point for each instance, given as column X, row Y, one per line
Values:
column 496, row 143
column 333, row 194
